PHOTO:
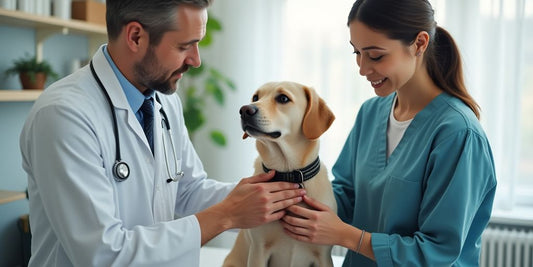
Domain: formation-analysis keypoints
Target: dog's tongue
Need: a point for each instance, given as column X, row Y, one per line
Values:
column 245, row 135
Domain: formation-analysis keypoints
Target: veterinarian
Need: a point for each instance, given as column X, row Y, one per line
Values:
column 415, row 181
column 103, row 192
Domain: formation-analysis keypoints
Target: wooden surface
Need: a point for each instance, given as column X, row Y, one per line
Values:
column 8, row 196
column 19, row 95
column 21, row 19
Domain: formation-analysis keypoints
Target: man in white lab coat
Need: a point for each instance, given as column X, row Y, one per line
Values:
column 85, row 211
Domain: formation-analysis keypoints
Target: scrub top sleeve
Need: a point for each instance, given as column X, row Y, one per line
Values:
column 343, row 183
column 455, row 208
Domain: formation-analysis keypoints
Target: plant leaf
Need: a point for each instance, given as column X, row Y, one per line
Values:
column 207, row 40
column 218, row 138
column 213, row 88
column 218, row 75
column 194, row 119
column 231, row 85
column 194, row 72
column 213, row 24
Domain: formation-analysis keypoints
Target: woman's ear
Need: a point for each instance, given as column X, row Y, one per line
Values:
column 421, row 43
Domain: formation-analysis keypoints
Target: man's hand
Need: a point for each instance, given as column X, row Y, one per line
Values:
column 253, row 202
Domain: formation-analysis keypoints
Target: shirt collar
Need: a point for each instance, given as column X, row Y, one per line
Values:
column 133, row 95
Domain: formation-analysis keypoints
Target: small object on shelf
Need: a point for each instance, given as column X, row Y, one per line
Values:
column 27, row 6
column 62, row 9
column 43, row 8
column 32, row 73
column 89, row 11
column 8, row 4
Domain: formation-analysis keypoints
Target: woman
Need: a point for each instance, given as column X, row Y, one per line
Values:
column 415, row 181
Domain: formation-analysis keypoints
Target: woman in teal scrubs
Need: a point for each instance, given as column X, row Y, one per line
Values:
column 415, row 181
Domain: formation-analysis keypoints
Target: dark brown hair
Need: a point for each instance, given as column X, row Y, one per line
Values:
column 403, row 20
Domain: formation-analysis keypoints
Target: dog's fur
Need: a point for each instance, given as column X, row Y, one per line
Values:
column 286, row 119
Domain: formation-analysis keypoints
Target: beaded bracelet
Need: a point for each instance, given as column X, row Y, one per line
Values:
column 360, row 242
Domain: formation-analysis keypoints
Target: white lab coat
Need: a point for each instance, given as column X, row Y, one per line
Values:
column 79, row 215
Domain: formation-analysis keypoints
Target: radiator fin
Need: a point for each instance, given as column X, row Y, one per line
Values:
column 502, row 247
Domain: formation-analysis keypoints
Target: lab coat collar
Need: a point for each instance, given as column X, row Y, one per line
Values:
column 117, row 95
column 109, row 80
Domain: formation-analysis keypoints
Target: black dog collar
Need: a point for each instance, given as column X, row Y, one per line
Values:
column 297, row 176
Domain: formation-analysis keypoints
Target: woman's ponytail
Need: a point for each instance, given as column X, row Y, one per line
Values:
column 444, row 65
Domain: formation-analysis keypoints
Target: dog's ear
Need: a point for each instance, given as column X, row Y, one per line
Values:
column 318, row 117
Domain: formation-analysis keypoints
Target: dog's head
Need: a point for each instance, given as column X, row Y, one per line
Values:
column 284, row 110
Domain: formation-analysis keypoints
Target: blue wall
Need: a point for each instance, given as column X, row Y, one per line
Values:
column 59, row 50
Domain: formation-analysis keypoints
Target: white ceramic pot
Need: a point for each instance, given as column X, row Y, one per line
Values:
column 27, row 6
column 8, row 4
column 43, row 7
column 62, row 9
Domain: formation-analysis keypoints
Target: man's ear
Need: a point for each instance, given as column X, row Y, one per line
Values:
column 136, row 36
column 318, row 117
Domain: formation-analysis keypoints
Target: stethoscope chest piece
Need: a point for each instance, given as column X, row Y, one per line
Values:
column 121, row 171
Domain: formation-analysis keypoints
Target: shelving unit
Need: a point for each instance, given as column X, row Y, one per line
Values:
column 19, row 95
column 46, row 26
column 9, row 196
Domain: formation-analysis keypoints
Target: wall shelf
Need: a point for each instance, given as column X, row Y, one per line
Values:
column 17, row 18
column 19, row 95
column 46, row 26
column 9, row 196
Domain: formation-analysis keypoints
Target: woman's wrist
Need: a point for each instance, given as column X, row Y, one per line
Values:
column 358, row 240
column 350, row 237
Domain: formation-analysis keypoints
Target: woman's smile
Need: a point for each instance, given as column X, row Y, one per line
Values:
column 378, row 83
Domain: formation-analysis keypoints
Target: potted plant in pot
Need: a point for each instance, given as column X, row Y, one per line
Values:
column 32, row 73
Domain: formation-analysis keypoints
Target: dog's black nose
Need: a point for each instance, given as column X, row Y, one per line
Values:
column 248, row 111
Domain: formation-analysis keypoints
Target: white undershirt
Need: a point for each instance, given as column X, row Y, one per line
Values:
column 395, row 130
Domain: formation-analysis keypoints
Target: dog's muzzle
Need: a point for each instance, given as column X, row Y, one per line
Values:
column 249, row 122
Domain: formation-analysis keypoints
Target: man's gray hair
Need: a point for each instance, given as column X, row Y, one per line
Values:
column 156, row 16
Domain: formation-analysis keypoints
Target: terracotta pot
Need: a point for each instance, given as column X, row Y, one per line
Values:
column 37, row 83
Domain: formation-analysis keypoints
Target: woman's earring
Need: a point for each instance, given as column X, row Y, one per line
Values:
column 418, row 53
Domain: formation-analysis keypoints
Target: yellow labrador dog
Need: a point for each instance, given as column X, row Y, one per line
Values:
column 286, row 119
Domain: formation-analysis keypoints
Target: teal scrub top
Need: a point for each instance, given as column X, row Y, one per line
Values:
column 428, row 203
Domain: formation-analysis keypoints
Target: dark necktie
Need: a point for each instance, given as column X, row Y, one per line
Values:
column 147, row 109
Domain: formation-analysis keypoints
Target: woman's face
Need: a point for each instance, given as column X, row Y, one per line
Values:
column 386, row 63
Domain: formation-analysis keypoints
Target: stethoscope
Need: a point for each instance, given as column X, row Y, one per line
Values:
column 121, row 170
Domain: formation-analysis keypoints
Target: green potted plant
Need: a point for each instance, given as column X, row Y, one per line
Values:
column 32, row 73
column 201, row 84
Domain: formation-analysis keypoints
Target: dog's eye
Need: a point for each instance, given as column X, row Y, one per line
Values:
column 282, row 99
column 255, row 98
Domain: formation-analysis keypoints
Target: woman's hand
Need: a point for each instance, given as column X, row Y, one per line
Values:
column 319, row 226
column 254, row 201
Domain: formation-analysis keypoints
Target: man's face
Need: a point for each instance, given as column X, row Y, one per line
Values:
column 164, row 64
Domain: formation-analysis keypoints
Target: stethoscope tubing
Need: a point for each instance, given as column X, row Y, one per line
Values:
column 121, row 170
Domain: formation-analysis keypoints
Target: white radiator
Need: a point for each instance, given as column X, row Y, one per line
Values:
column 506, row 248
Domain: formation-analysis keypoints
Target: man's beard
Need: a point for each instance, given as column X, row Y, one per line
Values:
column 147, row 71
